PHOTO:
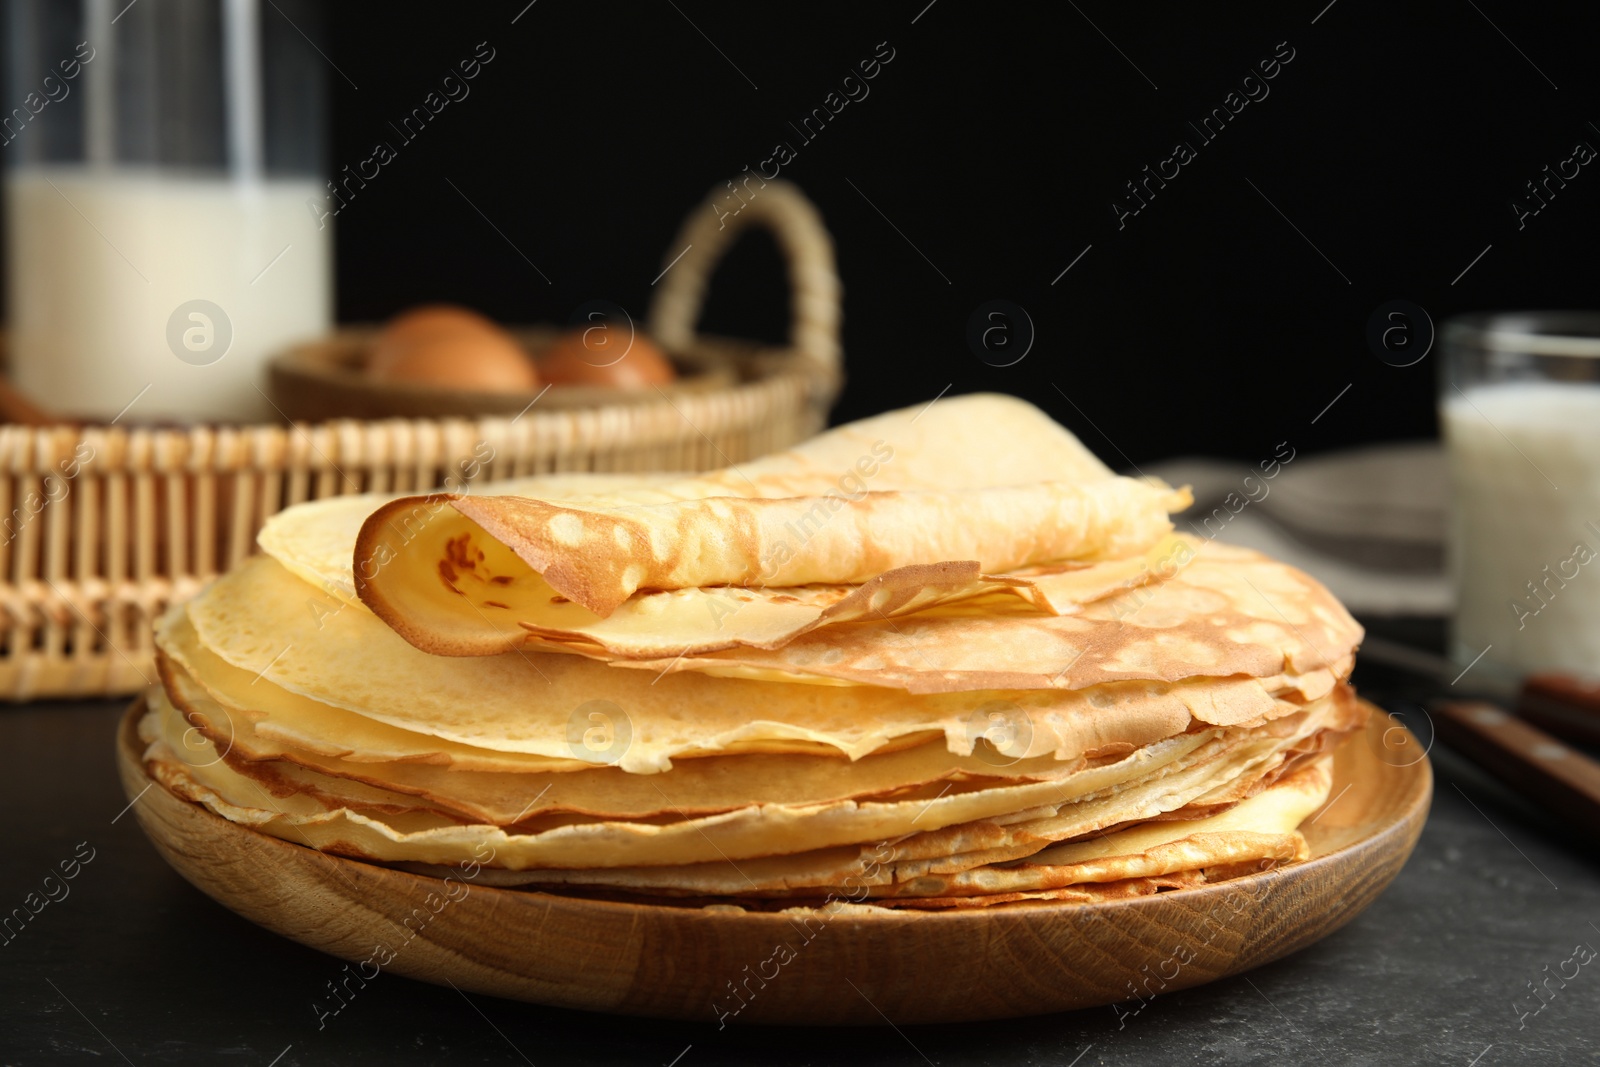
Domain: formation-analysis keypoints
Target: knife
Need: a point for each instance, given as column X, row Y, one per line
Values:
column 1514, row 748
column 1560, row 704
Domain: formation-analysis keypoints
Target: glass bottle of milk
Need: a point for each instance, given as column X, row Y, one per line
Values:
column 1520, row 412
column 159, row 160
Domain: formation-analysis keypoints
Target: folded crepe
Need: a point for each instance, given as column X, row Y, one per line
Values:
column 938, row 658
column 449, row 575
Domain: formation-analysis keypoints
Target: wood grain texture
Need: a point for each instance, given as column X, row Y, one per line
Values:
column 819, row 969
column 1562, row 704
column 1534, row 763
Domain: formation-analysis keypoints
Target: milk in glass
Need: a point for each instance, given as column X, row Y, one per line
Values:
column 1524, row 462
column 163, row 197
column 101, row 260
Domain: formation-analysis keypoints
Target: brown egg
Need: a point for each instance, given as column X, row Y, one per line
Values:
column 434, row 318
column 454, row 348
column 605, row 355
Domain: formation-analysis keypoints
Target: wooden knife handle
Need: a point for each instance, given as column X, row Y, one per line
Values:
column 1566, row 706
column 1559, row 778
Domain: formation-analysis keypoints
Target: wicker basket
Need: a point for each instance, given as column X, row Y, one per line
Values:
column 105, row 526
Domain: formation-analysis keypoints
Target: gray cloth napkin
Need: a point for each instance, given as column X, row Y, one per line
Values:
column 1369, row 522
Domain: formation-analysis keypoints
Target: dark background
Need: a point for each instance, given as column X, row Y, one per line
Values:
column 995, row 142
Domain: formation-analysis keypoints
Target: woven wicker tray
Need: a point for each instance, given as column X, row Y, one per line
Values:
column 102, row 527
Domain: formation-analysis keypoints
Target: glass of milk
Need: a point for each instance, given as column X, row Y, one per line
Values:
column 1520, row 412
column 159, row 159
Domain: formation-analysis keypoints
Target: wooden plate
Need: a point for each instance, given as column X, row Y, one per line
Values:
column 844, row 968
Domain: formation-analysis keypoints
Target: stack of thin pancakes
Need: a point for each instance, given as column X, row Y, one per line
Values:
column 935, row 658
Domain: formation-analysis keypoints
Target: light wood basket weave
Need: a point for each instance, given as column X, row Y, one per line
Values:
column 101, row 528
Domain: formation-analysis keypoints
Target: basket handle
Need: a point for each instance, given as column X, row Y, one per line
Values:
column 711, row 228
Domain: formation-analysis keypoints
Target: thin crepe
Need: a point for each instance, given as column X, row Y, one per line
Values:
column 261, row 620
column 947, row 446
column 887, row 867
column 1228, row 612
column 315, row 539
column 941, row 452
column 449, row 578
column 1255, row 835
column 1170, row 772
column 694, row 787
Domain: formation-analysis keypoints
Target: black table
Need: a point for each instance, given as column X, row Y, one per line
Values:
column 134, row 964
